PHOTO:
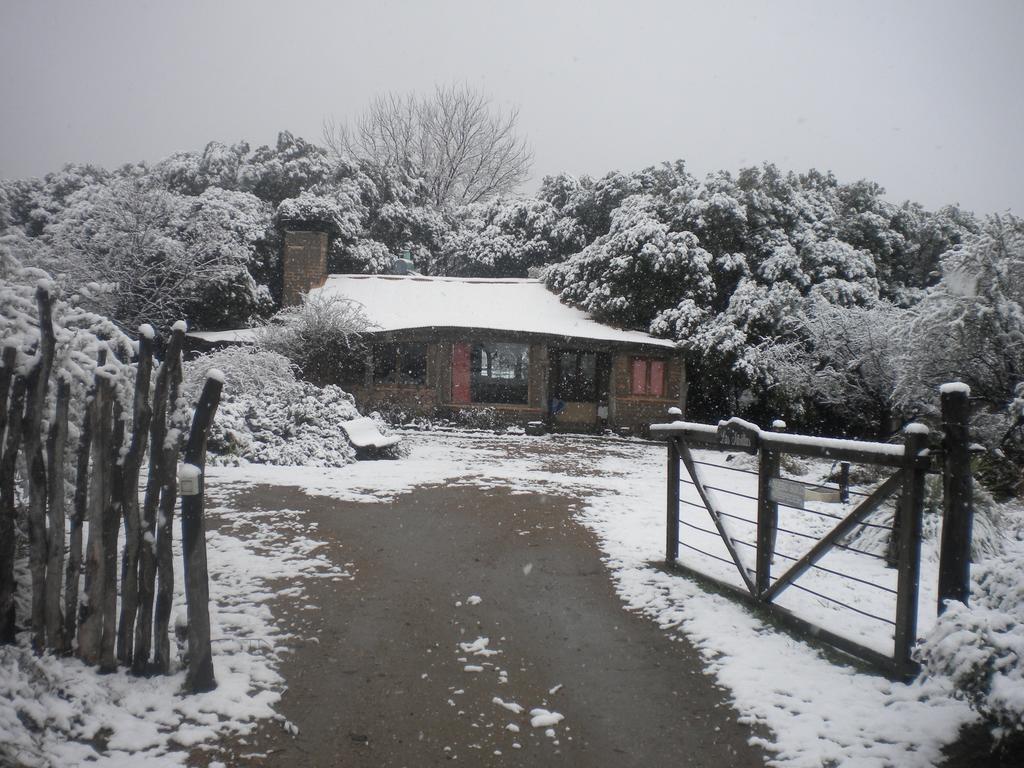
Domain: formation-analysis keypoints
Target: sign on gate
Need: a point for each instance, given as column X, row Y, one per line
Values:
column 788, row 492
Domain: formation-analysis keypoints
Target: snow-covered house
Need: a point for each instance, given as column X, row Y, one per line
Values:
column 441, row 345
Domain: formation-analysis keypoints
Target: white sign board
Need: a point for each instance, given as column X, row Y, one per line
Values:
column 788, row 492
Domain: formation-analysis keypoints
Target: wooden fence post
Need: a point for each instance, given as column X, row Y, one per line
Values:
column 35, row 404
column 15, row 402
column 200, row 675
column 79, row 513
column 90, row 625
column 141, row 415
column 958, row 497
column 55, row 450
column 111, row 528
column 164, row 598
column 767, row 516
column 672, row 505
column 168, row 488
column 159, row 477
column 910, row 512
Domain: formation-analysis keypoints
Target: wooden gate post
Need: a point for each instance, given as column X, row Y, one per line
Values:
column 910, row 513
column 958, row 492
column 767, row 517
column 672, row 506
column 200, row 676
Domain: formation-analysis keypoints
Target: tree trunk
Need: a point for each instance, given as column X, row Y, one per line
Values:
column 200, row 676
column 35, row 404
column 55, row 450
column 141, row 415
column 15, row 407
column 90, row 625
column 154, row 484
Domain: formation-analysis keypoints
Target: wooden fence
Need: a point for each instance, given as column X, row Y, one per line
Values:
column 759, row 582
column 105, row 465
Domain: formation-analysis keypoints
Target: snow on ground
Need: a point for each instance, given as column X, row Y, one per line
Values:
column 819, row 713
column 69, row 715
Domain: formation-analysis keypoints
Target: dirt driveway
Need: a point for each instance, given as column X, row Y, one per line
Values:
column 390, row 668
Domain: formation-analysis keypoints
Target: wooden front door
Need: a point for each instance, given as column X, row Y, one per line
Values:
column 460, row 372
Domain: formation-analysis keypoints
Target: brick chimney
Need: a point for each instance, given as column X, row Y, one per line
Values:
column 305, row 264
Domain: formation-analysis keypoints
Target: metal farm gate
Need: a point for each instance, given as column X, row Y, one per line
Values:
column 840, row 565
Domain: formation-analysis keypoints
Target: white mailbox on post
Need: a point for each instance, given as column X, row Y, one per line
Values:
column 189, row 479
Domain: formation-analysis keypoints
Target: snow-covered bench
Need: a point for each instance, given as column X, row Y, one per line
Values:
column 366, row 438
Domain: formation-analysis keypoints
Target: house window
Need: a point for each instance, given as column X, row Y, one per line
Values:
column 648, row 377
column 577, row 375
column 400, row 364
column 499, row 373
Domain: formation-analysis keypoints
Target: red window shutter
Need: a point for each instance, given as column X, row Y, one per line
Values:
column 639, row 376
column 657, row 378
column 460, row 373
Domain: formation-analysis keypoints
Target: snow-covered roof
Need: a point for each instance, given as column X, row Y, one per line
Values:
column 403, row 302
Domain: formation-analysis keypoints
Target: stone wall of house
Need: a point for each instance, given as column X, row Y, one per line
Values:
column 304, row 264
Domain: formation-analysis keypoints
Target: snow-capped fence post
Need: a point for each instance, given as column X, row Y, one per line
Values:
column 958, row 496
column 200, row 676
column 160, row 479
column 15, row 402
column 142, row 412
column 911, row 512
column 672, row 509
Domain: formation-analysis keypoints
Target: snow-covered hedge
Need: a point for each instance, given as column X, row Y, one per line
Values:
column 267, row 416
column 981, row 648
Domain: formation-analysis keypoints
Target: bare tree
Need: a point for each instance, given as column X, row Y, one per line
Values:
column 463, row 146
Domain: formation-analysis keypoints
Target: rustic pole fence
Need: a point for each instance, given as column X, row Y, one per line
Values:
column 106, row 626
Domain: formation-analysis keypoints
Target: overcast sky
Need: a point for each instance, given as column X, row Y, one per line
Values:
column 923, row 97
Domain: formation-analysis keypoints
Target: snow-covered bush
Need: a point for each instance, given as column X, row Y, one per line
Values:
column 267, row 416
column 319, row 336
column 981, row 648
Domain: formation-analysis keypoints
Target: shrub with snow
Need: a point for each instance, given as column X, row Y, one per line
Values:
column 267, row 416
column 319, row 336
column 981, row 648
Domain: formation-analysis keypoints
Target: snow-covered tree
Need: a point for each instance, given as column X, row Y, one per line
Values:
column 277, row 173
column 839, row 367
column 147, row 255
column 641, row 266
column 505, row 238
